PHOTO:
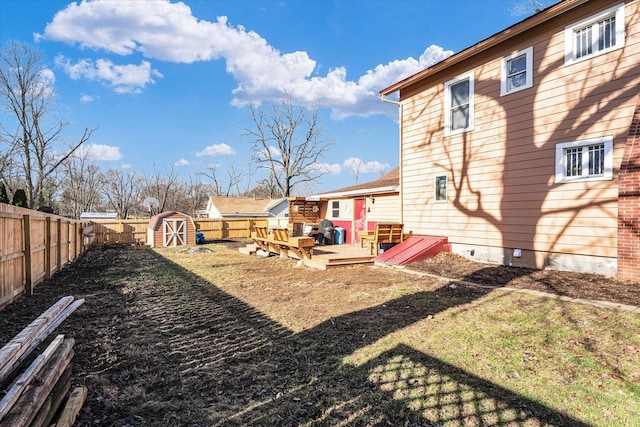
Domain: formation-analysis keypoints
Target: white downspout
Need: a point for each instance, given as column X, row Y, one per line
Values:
column 399, row 104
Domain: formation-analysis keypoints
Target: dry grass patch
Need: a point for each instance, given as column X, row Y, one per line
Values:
column 223, row 339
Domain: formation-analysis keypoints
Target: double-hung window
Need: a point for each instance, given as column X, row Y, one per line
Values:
column 517, row 72
column 458, row 100
column 335, row 209
column 597, row 34
column 586, row 160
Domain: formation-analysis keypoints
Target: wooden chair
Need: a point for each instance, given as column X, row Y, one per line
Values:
column 385, row 233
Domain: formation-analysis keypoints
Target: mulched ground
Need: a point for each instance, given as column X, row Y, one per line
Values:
column 575, row 285
column 158, row 346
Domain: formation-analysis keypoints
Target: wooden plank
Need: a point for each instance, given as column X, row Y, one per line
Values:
column 26, row 409
column 72, row 408
column 27, row 376
column 10, row 215
column 30, row 337
column 9, row 257
column 58, row 395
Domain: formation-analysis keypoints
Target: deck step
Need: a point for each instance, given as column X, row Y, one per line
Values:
column 250, row 249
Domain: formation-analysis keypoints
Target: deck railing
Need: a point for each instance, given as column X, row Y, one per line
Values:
column 135, row 230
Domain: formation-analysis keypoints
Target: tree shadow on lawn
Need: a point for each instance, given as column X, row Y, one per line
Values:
column 253, row 371
column 169, row 348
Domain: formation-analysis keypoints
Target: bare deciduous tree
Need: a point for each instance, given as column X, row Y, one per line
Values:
column 122, row 191
column 220, row 188
column 81, row 187
column 287, row 143
column 354, row 164
column 28, row 127
column 161, row 186
column 197, row 194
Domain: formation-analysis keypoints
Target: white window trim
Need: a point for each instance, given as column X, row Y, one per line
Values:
column 569, row 40
column 447, row 104
column 528, row 52
column 608, row 160
column 435, row 188
column 334, row 209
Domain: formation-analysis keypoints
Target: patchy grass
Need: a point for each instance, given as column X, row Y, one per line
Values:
column 575, row 359
column 184, row 339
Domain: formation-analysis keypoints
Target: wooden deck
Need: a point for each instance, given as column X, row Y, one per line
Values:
column 329, row 256
column 338, row 255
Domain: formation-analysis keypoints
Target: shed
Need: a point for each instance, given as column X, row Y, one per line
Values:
column 171, row 229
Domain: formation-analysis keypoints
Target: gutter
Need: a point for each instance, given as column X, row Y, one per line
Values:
column 400, row 152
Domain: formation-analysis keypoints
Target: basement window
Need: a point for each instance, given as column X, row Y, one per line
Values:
column 586, row 160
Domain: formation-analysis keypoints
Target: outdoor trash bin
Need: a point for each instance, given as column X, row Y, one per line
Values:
column 339, row 235
column 328, row 235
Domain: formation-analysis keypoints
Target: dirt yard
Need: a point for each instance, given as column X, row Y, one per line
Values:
column 262, row 342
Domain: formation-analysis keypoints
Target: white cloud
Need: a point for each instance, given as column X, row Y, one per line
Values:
column 168, row 31
column 357, row 165
column 274, row 152
column 216, row 150
column 100, row 152
column 127, row 78
column 331, row 169
column 84, row 98
column 182, row 162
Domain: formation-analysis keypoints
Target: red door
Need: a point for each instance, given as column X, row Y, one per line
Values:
column 360, row 218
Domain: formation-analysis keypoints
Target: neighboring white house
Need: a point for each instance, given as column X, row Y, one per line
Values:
column 229, row 207
column 98, row 215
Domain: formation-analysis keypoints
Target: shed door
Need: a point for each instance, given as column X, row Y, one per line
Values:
column 174, row 232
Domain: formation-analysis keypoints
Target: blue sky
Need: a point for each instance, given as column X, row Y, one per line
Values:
column 165, row 82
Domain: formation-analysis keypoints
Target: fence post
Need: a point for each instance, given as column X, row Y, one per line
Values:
column 27, row 255
column 47, row 247
column 59, row 253
column 74, row 233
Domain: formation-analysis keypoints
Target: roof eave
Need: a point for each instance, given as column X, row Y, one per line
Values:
column 487, row 43
column 361, row 192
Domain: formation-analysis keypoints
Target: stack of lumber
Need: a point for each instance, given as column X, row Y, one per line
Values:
column 33, row 388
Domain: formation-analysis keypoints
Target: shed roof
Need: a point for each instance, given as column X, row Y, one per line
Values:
column 155, row 220
column 388, row 183
column 510, row 32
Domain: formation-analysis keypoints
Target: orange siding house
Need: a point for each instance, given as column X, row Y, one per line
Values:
column 522, row 149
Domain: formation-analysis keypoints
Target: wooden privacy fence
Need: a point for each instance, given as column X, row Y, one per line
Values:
column 33, row 246
column 135, row 230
